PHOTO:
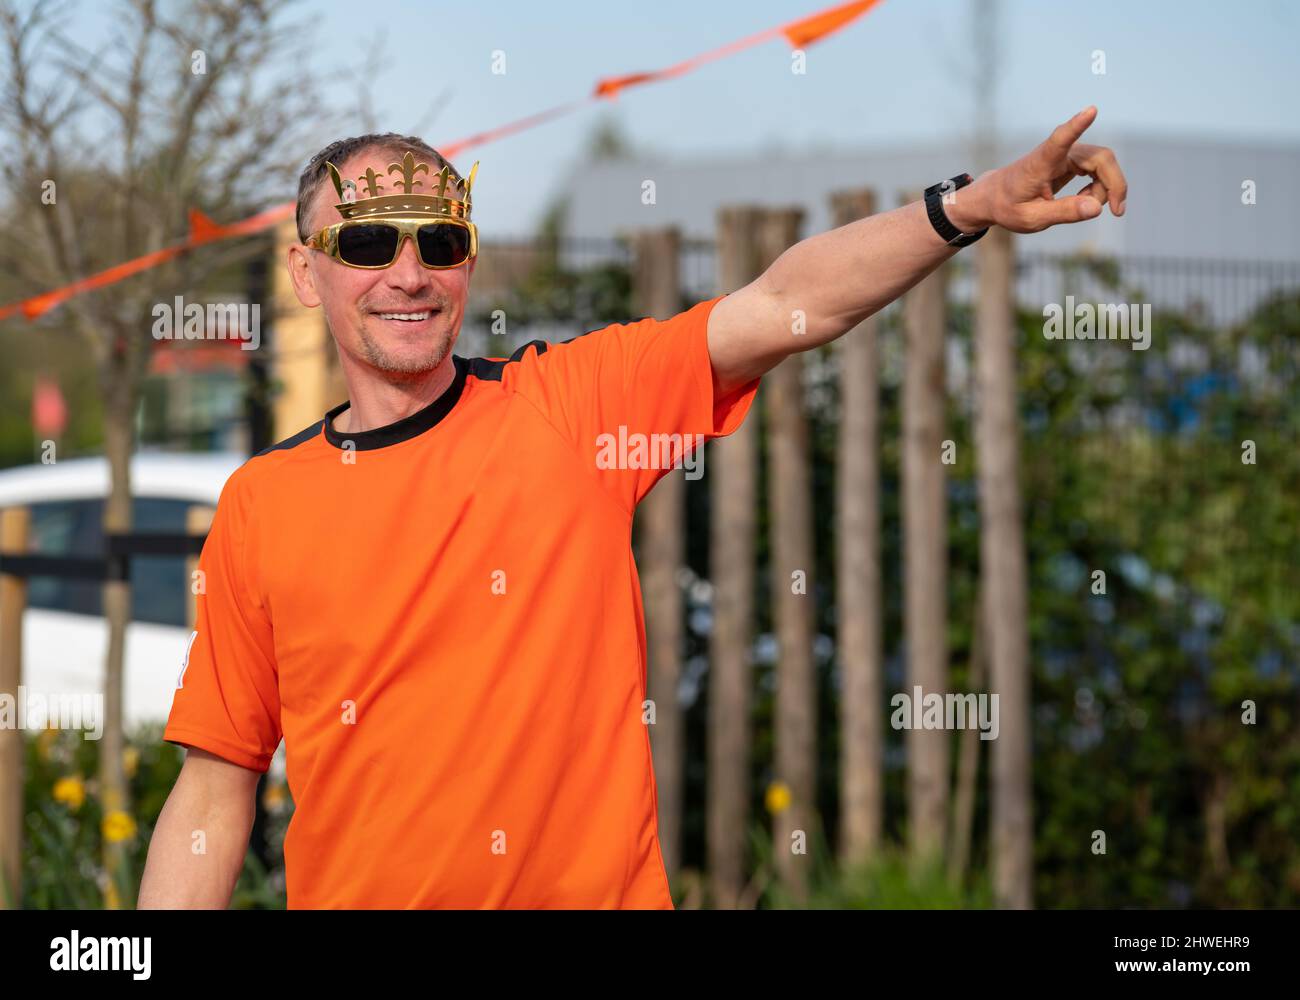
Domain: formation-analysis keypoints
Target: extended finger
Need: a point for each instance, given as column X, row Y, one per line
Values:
column 1067, row 134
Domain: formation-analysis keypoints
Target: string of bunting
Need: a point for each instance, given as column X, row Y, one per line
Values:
column 800, row 34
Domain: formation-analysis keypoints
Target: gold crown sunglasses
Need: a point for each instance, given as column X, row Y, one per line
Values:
column 372, row 244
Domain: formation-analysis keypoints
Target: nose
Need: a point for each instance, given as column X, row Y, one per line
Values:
column 406, row 272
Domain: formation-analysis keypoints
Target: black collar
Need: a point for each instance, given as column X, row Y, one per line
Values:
column 404, row 429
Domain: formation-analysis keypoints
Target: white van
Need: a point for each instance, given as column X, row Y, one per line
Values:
column 65, row 637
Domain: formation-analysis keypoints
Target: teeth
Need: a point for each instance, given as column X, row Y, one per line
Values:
column 409, row 317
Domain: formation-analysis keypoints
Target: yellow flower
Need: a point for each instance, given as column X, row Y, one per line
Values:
column 273, row 797
column 71, row 791
column 778, row 797
column 130, row 761
column 117, row 826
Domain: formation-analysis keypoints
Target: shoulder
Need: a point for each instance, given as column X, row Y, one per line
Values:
column 248, row 478
column 303, row 437
column 495, row 369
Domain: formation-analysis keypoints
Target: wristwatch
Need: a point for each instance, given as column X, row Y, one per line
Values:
column 934, row 196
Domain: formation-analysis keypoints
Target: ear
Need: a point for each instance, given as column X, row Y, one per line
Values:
column 298, row 261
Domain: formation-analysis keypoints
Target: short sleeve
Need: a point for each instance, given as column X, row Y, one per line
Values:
column 227, row 694
column 636, row 399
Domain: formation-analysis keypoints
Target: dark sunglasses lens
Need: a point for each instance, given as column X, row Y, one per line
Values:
column 368, row 246
column 444, row 245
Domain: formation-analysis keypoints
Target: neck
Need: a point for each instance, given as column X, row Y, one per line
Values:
column 375, row 401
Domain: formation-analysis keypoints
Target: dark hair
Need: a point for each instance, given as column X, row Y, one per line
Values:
column 344, row 149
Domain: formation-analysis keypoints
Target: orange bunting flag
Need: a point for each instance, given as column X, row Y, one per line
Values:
column 204, row 230
column 41, row 304
column 803, row 33
column 799, row 34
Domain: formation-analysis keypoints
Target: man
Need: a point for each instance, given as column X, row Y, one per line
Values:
column 430, row 594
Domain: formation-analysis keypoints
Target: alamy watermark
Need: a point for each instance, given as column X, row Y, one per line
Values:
column 75, row 953
column 36, row 710
column 635, row 450
column 1102, row 321
column 181, row 320
column 945, row 711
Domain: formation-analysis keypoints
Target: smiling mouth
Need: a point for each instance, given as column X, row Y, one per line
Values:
column 408, row 317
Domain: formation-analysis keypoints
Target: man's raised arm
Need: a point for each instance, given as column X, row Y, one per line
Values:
column 839, row 278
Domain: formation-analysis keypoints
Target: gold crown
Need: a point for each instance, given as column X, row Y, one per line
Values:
column 377, row 205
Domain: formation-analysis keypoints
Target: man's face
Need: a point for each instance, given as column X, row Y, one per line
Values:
column 401, row 320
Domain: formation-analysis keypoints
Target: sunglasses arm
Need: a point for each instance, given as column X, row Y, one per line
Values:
column 323, row 240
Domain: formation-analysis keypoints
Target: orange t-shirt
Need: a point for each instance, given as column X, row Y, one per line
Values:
column 442, row 619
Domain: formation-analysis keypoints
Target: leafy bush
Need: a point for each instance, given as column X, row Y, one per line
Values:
column 66, row 830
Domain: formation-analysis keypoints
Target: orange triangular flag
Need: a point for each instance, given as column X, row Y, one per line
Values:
column 611, row 86
column 801, row 34
column 203, row 229
column 39, row 305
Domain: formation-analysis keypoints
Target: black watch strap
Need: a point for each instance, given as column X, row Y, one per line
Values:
column 934, row 196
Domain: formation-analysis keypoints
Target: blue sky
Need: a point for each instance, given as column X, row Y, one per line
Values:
column 1189, row 67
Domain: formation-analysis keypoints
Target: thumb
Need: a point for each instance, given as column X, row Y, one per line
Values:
column 1040, row 215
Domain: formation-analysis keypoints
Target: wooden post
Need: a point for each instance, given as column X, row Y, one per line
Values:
column 1004, row 570
column 15, row 524
column 733, row 521
column 925, row 557
column 660, row 519
column 860, row 642
column 198, row 521
column 793, row 596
